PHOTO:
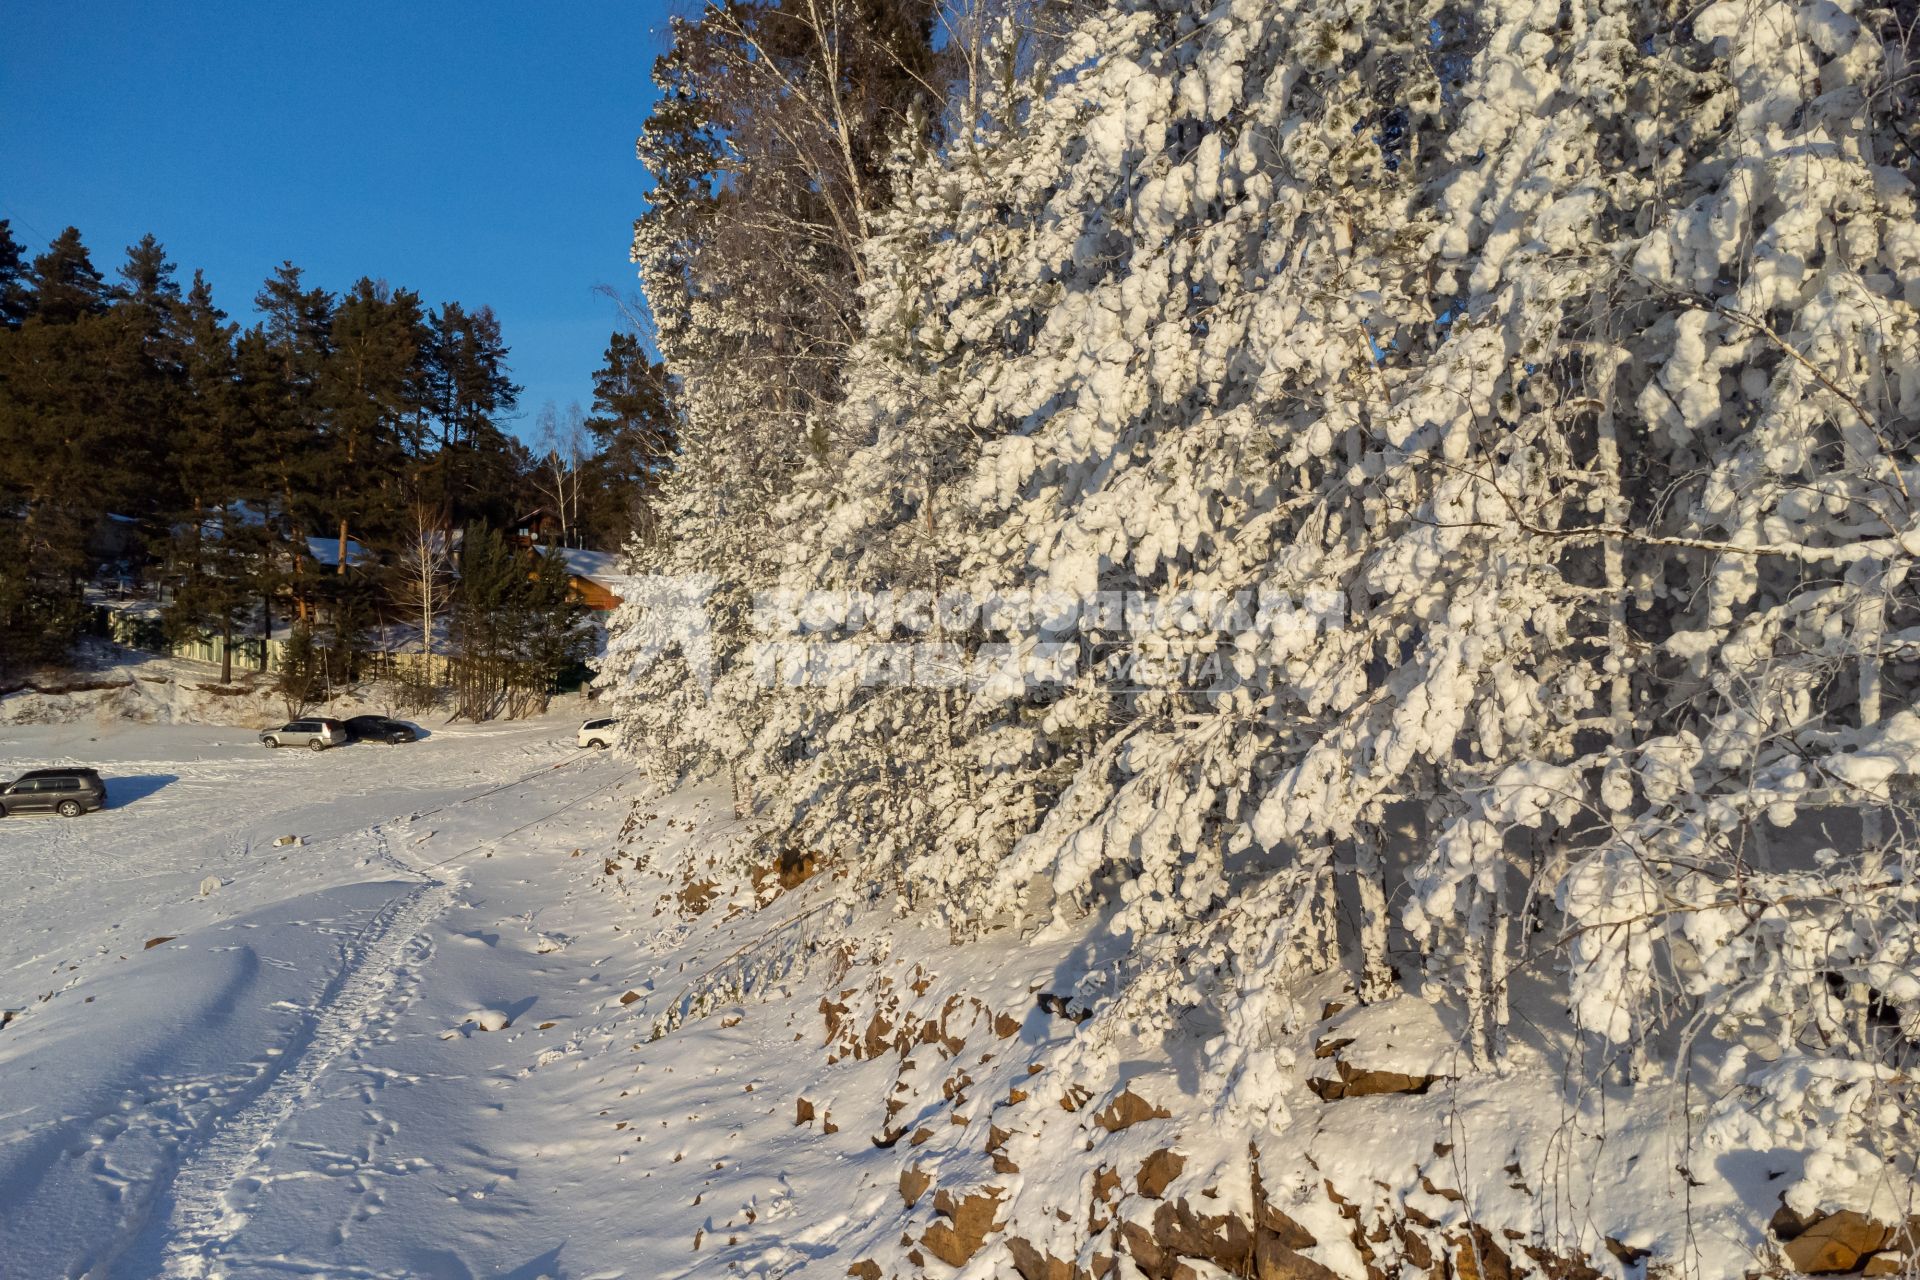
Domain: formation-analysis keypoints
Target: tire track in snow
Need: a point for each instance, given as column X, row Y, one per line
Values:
column 201, row 1215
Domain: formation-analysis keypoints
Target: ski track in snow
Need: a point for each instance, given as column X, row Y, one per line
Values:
column 174, row 1173
column 202, row 1213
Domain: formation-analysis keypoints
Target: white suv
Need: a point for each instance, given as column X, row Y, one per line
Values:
column 597, row 733
column 315, row 734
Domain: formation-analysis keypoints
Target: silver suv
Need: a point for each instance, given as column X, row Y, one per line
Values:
column 315, row 734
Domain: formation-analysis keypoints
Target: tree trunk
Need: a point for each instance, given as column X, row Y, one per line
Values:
column 1615, row 511
column 1869, row 621
column 1370, row 880
column 1479, row 967
column 426, row 631
column 1499, row 966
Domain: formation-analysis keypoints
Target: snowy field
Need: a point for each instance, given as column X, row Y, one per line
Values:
column 227, row 1057
column 293, row 1073
column 498, row 1014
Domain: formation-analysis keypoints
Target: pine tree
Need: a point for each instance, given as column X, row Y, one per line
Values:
column 513, row 629
column 146, row 309
column 469, row 391
column 70, row 376
column 221, row 556
column 373, row 384
column 282, row 362
column 634, row 427
column 15, row 301
column 66, row 284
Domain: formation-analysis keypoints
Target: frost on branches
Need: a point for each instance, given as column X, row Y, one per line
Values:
column 1572, row 351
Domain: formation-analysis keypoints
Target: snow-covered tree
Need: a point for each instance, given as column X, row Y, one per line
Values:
column 1542, row 380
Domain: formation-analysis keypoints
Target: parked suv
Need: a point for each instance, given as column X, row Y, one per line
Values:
column 315, row 734
column 381, row 729
column 597, row 733
column 67, row 792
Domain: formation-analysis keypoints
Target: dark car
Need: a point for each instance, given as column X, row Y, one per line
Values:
column 67, row 792
column 381, row 729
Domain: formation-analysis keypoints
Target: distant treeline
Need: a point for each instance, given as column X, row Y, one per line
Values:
column 225, row 466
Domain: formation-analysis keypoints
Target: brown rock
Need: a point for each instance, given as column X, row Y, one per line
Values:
column 832, row 1013
column 913, row 1184
column 1180, row 1231
column 1152, row 1258
column 1477, row 1257
column 159, row 941
column 1835, row 1244
column 997, row 1149
column 629, row 997
column 802, row 1111
column 865, row 1269
column 1786, row 1224
column 1275, row 1261
column 1885, row 1264
column 969, row 1220
column 878, row 1039
column 1270, row 1221
column 1350, row 1081
column 697, row 895
column 919, row 1137
column 1158, row 1171
column 1627, row 1253
column 796, row 868
column 1106, row 1185
column 1031, row 1264
column 1126, row 1111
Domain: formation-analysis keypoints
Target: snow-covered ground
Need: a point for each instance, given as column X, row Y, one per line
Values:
column 500, row 1011
column 230, row 1057
column 227, row 1056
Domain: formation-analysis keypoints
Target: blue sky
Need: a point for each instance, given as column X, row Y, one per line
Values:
column 481, row 152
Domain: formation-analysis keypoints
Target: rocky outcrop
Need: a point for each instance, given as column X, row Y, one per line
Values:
column 1843, row 1242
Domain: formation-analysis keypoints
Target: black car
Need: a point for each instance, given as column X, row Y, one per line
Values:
column 381, row 729
column 67, row 792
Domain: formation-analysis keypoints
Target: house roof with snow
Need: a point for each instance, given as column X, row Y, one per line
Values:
column 596, row 575
column 326, row 552
column 602, row 567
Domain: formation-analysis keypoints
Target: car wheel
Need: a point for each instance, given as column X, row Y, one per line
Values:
column 597, row 742
column 69, row 808
column 316, row 745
